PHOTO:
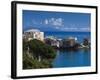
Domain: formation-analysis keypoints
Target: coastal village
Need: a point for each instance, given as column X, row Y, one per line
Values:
column 39, row 50
column 67, row 43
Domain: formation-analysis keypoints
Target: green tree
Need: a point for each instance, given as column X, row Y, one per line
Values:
column 39, row 48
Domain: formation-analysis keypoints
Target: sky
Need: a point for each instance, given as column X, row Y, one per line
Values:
column 56, row 21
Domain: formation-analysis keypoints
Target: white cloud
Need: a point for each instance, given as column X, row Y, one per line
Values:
column 46, row 21
column 75, row 29
column 57, row 27
column 54, row 21
column 58, row 23
column 34, row 22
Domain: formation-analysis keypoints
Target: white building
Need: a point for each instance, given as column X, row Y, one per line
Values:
column 33, row 34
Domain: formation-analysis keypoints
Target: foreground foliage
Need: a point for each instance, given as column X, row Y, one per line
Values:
column 37, row 54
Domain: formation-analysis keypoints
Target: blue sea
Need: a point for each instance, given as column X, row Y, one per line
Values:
column 66, row 58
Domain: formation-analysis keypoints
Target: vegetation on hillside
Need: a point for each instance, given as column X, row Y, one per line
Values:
column 37, row 54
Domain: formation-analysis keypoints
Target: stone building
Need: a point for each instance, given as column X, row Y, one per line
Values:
column 33, row 34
